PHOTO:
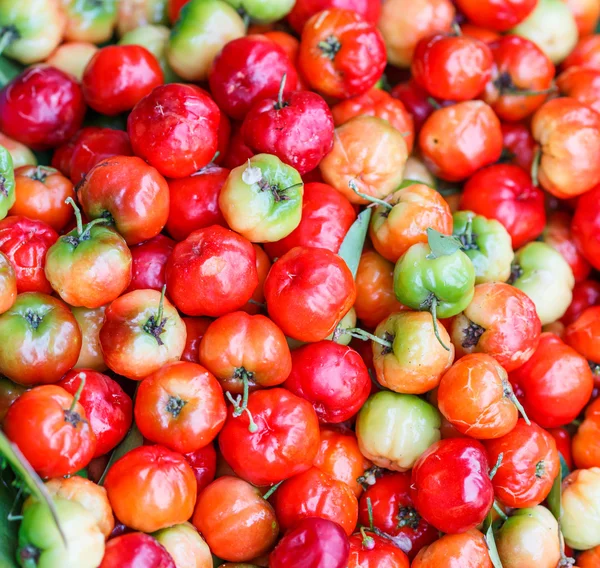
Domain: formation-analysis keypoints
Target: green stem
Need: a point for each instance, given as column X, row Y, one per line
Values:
column 494, row 470
column 370, row 513
column 434, row 103
column 240, row 405
column 513, row 398
column 280, row 93
column 365, row 336
column 371, row 199
column 436, row 331
column 456, row 29
column 272, row 490
column 161, row 304
column 7, row 36
column 87, row 229
column 469, row 232
column 77, row 212
column 78, row 392
column 498, row 510
column 535, row 166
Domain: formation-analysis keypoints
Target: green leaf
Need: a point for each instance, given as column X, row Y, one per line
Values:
column 555, row 496
column 8, row 529
column 25, row 472
column 352, row 245
column 564, row 468
column 133, row 440
column 441, row 245
column 491, row 542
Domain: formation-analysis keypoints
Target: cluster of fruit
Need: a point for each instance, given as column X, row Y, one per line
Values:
column 303, row 284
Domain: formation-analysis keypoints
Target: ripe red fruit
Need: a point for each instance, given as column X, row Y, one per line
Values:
column 176, row 129
column 42, row 107
column 118, row 76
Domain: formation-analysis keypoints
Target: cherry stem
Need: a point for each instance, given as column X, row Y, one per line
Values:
column 494, row 470
column 434, row 103
column 78, row 218
column 513, row 398
column 78, row 392
column 456, row 29
column 371, row 199
column 272, row 490
column 161, row 304
column 370, row 513
column 280, row 93
column 500, row 512
column 469, row 233
column 8, row 34
column 358, row 333
column 436, row 330
column 367, row 541
column 240, row 405
column 535, row 166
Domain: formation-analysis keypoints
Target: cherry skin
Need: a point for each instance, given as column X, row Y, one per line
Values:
column 42, row 107
column 149, row 261
column 318, row 542
column 450, row 485
column 136, row 549
column 195, row 201
column 303, row 10
column 297, row 128
column 176, row 129
column 118, row 76
column 332, row 377
column 249, row 69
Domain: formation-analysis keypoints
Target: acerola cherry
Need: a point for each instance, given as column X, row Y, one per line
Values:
column 296, row 127
column 303, row 10
column 148, row 264
column 586, row 226
column 332, row 377
column 450, row 487
column 434, row 66
column 500, row 15
column 107, row 407
column 308, row 291
column 118, row 76
column 129, row 550
column 176, row 129
column 247, row 70
column 42, row 107
column 212, row 272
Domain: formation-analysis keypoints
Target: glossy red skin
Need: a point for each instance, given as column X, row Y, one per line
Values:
column 54, row 446
column 148, row 263
column 195, row 327
column 135, row 550
column 475, row 140
column 247, row 70
column 562, row 439
column 379, row 103
column 392, row 505
column 450, row 485
column 519, row 481
column 499, row 15
column 238, row 152
column 585, row 295
column 194, row 201
column 313, row 493
column 93, row 146
column 519, row 145
column 586, row 53
column 204, row 464
column 118, row 76
column 308, row 291
column 522, row 63
column 300, row 133
column 107, row 407
column 434, row 66
column 42, row 107
column 326, row 217
column 176, row 129
column 355, row 67
column 61, row 157
column 332, row 377
column 25, row 242
column 505, row 192
column 555, row 384
column 195, row 286
column 416, row 100
column 383, row 554
column 285, row 444
column 318, row 542
column 557, row 234
column 303, row 10
column 133, row 193
column 586, row 226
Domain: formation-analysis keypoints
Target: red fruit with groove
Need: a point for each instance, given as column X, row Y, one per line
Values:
column 149, row 260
